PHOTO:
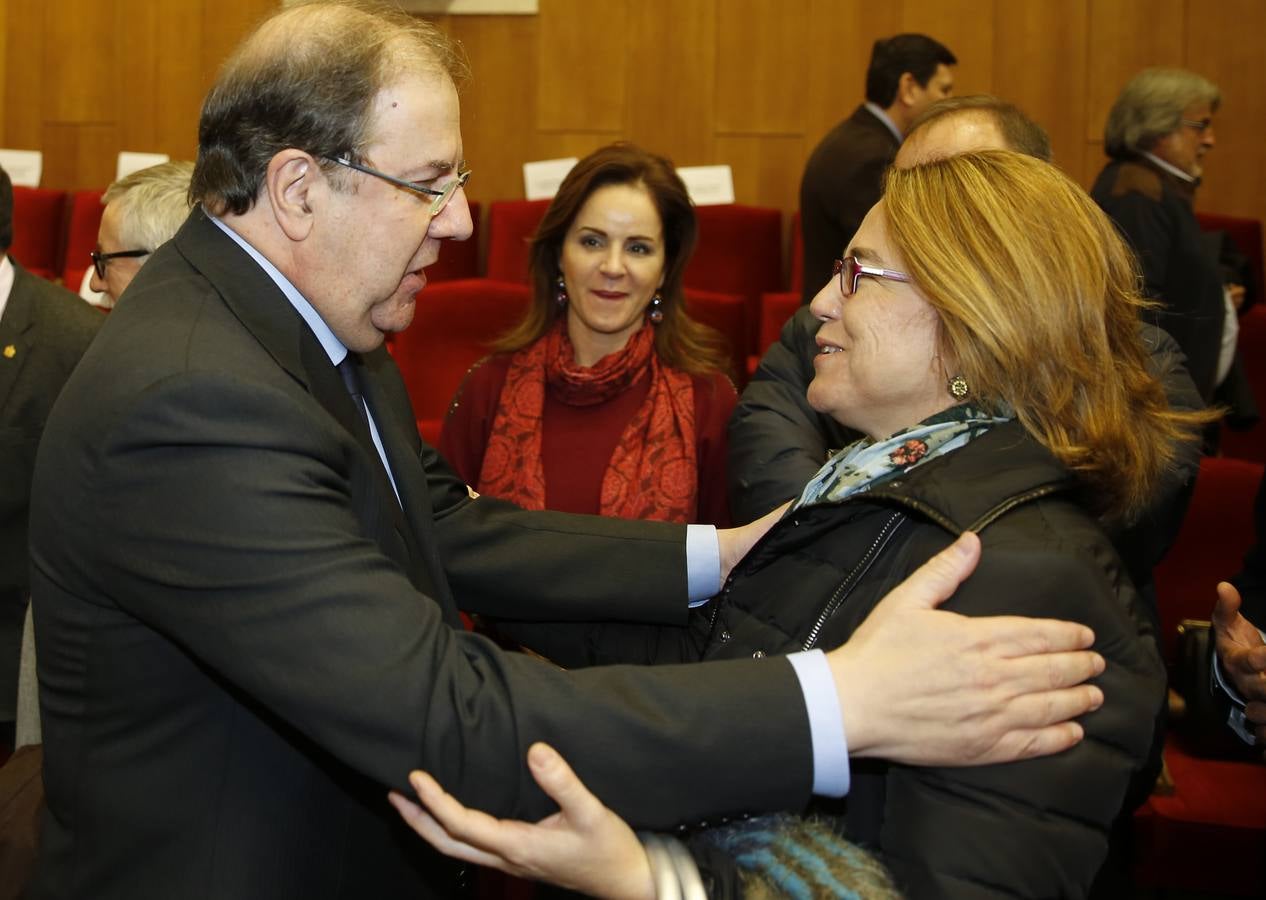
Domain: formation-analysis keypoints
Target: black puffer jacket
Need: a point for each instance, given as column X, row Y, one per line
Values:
column 1037, row 828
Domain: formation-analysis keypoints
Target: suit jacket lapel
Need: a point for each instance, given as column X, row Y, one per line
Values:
column 264, row 310
column 17, row 334
column 400, row 444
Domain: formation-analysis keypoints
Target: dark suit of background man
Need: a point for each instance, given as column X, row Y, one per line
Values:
column 247, row 567
column 43, row 333
column 844, row 175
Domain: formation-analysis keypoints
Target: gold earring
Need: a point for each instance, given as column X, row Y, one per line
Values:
column 958, row 387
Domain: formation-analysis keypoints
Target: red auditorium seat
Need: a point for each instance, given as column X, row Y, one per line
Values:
column 775, row 310
column 458, row 259
column 795, row 259
column 38, row 216
column 1209, row 834
column 81, row 235
column 511, row 224
column 727, row 313
column 453, row 325
column 739, row 252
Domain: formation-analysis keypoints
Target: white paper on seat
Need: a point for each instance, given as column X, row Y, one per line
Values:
column 131, row 161
column 24, row 166
column 708, row 185
column 542, row 178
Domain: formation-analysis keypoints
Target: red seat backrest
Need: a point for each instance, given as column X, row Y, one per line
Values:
column 38, row 216
column 453, row 326
column 795, row 278
column 458, row 259
column 81, row 235
column 739, row 252
column 1246, row 234
column 511, row 225
column 1216, row 533
column 727, row 313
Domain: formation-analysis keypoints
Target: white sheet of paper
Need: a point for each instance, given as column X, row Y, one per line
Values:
column 708, row 185
column 542, row 178
column 23, row 166
column 130, row 161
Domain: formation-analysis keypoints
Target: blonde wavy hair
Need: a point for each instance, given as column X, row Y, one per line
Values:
column 1039, row 305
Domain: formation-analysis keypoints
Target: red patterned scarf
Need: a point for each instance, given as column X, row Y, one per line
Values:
column 651, row 474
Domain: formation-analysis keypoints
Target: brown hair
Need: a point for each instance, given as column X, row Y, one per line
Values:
column 1021, row 133
column 307, row 78
column 1039, row 308
column 680, row 341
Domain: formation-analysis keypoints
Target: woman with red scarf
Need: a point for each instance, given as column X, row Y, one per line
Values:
column 607, row 398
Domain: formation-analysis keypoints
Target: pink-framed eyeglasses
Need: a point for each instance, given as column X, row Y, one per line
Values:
column 849, row 270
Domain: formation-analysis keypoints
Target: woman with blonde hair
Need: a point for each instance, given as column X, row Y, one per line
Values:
column 982, row 333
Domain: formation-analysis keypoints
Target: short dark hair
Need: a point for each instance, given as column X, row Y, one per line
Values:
column 6, row 210
column 680, row 341
column 306, row 78
column 892, row 57
column 1021, row 133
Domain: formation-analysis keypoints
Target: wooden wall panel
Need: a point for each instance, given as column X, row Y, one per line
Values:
column 671, row 77
column 580, row 63
column 1124, row 36
column 1234, row 180
column 758, row 79
column 752, row 83
column 80, row 87
column 1041, row 49
column 967, row 28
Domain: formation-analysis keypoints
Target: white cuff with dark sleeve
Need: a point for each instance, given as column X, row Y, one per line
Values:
column 831, row 774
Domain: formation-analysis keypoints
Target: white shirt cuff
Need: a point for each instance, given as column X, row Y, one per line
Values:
column 703, row 563
column 831, row 774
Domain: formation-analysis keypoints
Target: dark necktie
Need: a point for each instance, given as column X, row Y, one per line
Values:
column 351, row 378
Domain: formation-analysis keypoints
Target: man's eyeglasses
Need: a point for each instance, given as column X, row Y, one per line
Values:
column 441, row 197
column 100, row 259
column 850, row 270
column 1200, row 125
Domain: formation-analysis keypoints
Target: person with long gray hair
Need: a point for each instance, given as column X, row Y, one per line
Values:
column 1157, row 135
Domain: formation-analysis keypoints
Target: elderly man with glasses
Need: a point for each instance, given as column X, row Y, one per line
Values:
column 1157, row 135
column 142, row 212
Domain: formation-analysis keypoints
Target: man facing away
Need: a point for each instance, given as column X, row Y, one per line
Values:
column 247, row 568
column 844, row 175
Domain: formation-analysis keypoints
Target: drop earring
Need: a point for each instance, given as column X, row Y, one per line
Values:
column 958, row 387
column 657, row 311
column 560, row 286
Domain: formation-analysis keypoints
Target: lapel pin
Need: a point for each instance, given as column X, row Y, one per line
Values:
column 10, row 351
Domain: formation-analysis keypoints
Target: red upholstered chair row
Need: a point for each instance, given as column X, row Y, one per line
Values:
column 38, row 223
column 453, row 326
column 775, row 310
column 727, row 313
column 458, row 259
column 81, row 235
column 1210, row 832
column 511, row 224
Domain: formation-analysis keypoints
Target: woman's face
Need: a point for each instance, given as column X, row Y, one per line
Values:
column 878, row 366
column 612, row 263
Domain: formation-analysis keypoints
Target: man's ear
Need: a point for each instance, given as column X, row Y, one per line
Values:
column 905, row 88
column 292, row 183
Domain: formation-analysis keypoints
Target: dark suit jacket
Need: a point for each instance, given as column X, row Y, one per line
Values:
column 43, row 333
column 842, row 180
column 243, row 639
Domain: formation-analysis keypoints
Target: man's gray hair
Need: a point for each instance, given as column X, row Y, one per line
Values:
column 1151, row 106
column 152, row 204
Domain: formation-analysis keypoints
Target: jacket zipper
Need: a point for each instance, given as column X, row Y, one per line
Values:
column 850, row 580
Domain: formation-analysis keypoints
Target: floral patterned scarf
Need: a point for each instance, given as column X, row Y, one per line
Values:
column 866, row 463
column 652, row 473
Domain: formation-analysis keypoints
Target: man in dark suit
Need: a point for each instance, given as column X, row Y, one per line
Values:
column 44, row 330
column 844, row 175
column 247, row 568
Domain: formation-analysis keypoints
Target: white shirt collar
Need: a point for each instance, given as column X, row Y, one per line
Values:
column 1171, row 169
column 7, row 275
column 882, row 116
column 333, row 347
